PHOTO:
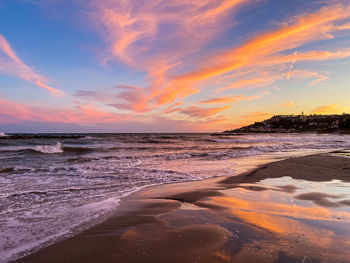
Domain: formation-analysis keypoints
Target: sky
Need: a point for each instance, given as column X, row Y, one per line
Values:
column 169, row 65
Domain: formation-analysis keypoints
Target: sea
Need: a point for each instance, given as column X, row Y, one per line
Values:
column 53, row 186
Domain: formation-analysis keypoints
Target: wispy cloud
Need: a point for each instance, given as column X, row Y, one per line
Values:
column 306, row 28
column 11, row 64
column 225, row 100
column 162, row 38
column 169, row 28
column 288, row 104
column 172, row 108
column 198, row 112
column 158, row 37
column 180, row 49
column 258, row 114
column 13, row 112
column 333, row 108
column 270, row 50
column 133, row 98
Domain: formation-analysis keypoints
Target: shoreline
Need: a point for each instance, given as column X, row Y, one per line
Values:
column 246, row 165
column 173, row 213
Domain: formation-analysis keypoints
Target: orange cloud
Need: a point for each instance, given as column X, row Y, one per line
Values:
column 172, row 108
column 333, row 108
column 213, row 123
column 197, row 112
column 265, row 48
column 225, row 100
column 265, row 72
column 11, row 64
column 136, row 34
column 159, row 38
column 258, row 114
column 288, row 104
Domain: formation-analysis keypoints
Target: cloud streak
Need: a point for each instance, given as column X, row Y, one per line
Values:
column 159, row 24
column 198, row 112
column 261, row 61
column 11, row 64
column 158, row 37
column 14, row 112
column 288, row 104
column 225, row 100
column 192, row 62
column 266, row 48
column 333, row 108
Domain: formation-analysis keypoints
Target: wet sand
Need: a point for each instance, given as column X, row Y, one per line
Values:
column 295, row 210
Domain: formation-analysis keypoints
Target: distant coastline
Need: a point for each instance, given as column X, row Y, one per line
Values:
column 299, row 124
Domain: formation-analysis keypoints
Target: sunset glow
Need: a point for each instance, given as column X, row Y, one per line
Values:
column 169, row 66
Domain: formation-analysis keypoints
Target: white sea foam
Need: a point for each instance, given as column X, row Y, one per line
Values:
column 2, row 134
column 57, row 148
column 49, row 224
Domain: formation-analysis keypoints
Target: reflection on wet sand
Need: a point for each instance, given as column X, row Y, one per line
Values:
column 293, row 228
column 253, row 217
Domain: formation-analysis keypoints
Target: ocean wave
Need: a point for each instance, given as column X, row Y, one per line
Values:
column 57, row 148
column 77, row 149
column 250, row 151
column 72, row 190
column 281, row 139
column 291, row 147
column 40, row 136
column 2, row 134
column 228, row 153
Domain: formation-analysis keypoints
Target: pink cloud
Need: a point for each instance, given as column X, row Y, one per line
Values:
column 11, row 64
column 288, row 104
column 158, row 37
column 133, row 98
column 162, row 37
column 225, row 100
column 197, row 112
column 183, row 26
column 172, row 108
column 13, row 112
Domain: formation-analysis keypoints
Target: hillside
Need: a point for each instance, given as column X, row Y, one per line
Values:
column 300, row 123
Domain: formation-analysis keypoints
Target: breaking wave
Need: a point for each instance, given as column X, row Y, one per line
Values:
column 58, row 148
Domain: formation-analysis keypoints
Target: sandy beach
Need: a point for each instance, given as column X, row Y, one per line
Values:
column 294, row 210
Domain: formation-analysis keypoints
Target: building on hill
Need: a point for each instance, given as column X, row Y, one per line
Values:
column 300, row 123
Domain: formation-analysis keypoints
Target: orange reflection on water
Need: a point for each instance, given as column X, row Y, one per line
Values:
column 298, row 225
column 266, row 205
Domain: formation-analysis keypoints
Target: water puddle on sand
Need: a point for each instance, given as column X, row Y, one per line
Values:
column 292, row 220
